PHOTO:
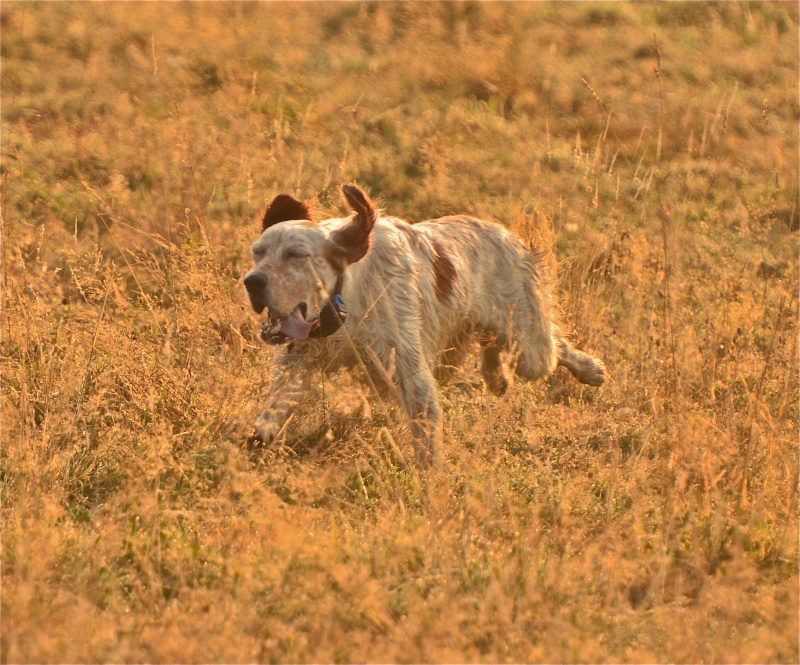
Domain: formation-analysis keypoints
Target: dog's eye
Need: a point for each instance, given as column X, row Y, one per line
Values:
column 258, row 254
column 296, row 254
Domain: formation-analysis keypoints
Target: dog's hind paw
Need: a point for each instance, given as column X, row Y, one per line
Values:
column 593, row 375
column 587, row 369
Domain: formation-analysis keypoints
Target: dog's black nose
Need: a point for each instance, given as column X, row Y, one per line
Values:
column 255, row 283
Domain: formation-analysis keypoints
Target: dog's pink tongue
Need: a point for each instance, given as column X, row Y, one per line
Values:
column 296, row 326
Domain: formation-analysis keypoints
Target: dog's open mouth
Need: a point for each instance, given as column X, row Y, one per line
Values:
column 292, row 326
column 296, row 326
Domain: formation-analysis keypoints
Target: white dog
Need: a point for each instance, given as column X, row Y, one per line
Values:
column 404, row 299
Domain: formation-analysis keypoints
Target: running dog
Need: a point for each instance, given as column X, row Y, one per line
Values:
column 406, row 300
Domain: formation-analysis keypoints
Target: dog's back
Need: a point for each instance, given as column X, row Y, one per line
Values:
column 475, row 278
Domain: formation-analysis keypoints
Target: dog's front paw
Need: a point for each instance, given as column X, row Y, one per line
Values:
column 266, row 432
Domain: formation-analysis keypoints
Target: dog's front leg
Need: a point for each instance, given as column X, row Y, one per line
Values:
column 417, row 387
column 289, row 383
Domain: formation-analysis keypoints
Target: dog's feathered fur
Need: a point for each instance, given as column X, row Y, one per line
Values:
column 415, row 296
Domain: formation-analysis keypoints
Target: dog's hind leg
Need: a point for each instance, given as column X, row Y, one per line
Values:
column 532, row 337
column 492, row 368
column 535, row 359
column 587, row 369
column 540, row 342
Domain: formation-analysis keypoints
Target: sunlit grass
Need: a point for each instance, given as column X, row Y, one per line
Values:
column 653, row 147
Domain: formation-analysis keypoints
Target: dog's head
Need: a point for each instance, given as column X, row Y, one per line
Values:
column 297, row 261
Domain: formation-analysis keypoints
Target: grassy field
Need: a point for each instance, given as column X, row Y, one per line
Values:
column 652, row 147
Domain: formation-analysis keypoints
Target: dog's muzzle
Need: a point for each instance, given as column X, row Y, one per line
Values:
column 331, row 317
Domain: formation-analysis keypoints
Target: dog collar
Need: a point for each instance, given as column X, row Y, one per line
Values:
column 333, row 315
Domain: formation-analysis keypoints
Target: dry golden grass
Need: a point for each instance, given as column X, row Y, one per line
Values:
column 655, row 519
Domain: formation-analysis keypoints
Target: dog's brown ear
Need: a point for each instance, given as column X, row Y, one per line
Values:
column 352, row 242
column 284, row 208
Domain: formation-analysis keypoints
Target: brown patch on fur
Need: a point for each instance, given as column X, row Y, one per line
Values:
column 444, row 272
column 283, row 209
column 352, row 242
